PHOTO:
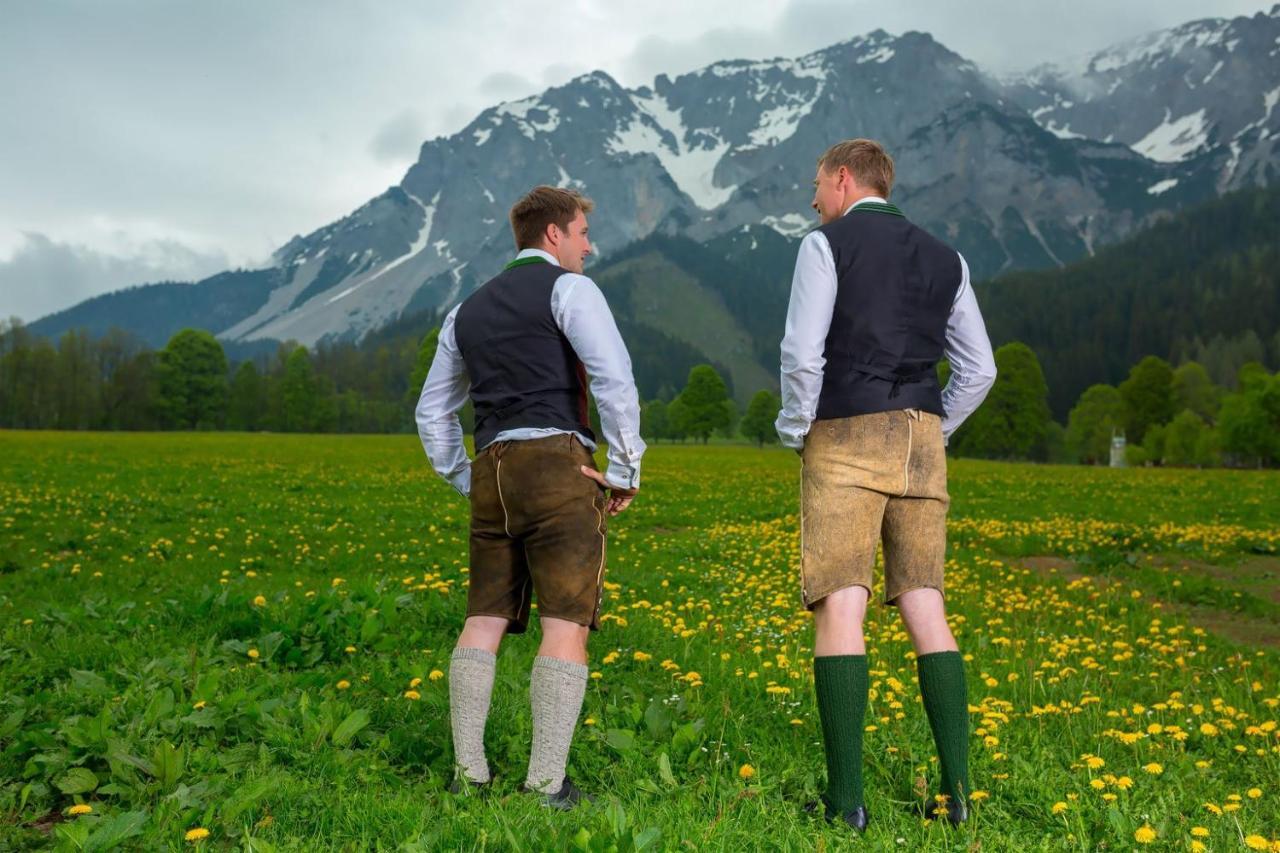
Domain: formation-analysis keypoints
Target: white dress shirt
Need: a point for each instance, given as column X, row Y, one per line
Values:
column 813, row 299
column 583, row 315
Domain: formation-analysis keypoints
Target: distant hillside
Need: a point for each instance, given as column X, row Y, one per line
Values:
column 154, row 312
column 1209, row 277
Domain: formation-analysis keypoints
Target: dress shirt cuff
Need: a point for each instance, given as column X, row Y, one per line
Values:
column 622, row 476
column 461, row 480
column 791, row 431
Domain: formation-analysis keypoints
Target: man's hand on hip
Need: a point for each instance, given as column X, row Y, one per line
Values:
column 619, row 499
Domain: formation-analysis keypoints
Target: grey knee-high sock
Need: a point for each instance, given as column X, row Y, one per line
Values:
column 470, row 688
column 556, row 688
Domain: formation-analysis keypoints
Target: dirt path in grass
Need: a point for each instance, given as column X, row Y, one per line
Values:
column 1258, row 576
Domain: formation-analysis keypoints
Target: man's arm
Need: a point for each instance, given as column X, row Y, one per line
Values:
column 813, row 299
column 443, row 393
column 968, row 349
column 583, row 315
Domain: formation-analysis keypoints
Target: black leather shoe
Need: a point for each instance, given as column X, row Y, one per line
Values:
column 953, row 811
column 568, row 797
column 856, row 818
column 957, row 812
column 463, row 785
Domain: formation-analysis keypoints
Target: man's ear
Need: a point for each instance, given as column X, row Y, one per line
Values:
column 553, row 234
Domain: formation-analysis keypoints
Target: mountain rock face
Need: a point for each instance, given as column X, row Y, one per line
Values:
column 1027, row 172
column 1205, row 92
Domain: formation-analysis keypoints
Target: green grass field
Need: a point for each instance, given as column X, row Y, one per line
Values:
column 247, row 635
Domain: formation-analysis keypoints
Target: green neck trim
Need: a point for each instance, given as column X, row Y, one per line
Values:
column 520, row 262
column 878, row 207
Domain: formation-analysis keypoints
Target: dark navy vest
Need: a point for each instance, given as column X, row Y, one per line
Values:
column 523, row 370
column 895, row 287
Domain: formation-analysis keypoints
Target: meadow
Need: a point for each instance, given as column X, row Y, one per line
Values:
column 220, row 641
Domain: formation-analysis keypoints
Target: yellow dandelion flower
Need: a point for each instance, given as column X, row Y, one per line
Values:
column 1256, row 842
column 79, row 809
column 746, row 771
column 1094, row 762
column 412, row 695
column 253, row 654
column 343, row 684
column 589, row 721
column 1058, row 807
column 978, row 796
column 435, row 675
column 414, row 682
column 1197, row 847
column 1200, row 832
column 259, row 601
column 642, row 656
column 1124, row 783
column 1097, row 784
column 197, row 834
column 1208, row 729
column 197, row 706
column 1145, row 834
column 1154, row 768
column 1254, row 793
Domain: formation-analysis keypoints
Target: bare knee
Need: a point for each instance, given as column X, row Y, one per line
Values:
column 564, row 640
column 925, row 616
column 837, row 622
column 483, row 632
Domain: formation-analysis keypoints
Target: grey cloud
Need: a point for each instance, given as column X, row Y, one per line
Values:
column 505, row 85
column 398, row 140
column 45, row 275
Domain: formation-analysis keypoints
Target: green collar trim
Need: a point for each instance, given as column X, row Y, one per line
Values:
column 520, row 262
column 878, row 207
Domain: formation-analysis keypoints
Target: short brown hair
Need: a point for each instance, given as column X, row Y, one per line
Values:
column 543, row 206
column 866, row 159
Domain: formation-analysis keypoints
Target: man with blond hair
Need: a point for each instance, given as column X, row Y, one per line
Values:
column 876, row 303
column 524, row 348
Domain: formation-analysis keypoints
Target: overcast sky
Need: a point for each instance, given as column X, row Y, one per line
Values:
column 145, row 141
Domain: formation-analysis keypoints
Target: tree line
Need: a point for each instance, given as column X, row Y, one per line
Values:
column 1168, row 415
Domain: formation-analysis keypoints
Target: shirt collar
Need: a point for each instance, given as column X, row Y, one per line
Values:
column 864, row 200
column 538, row 253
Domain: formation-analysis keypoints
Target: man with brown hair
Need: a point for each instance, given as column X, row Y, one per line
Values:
column 876, row 303
column 522, row 348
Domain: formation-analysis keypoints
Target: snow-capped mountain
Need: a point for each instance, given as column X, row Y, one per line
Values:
column 1029, row 172
column 1206, row 90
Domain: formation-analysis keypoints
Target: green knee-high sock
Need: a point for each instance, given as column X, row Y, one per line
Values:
column 841, row 684
column 946, row 702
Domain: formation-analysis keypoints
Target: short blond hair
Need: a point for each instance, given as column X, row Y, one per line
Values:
column 543, row 206
column 866, row 159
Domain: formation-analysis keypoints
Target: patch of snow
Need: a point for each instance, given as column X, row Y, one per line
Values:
column 1162, row 186
column 780, row 123
column 692, row 168
column 1269, row 101
column 487, row 194
column 1064, row 132
column 1212, row 73
column 881, row 54
column 482, row 134
column 791, row 225
column 1174, row 140
column 519, row 111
